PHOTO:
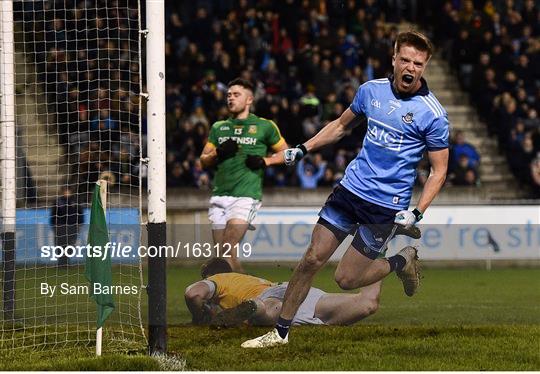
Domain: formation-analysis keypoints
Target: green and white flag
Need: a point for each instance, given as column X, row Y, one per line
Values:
column 99, row 269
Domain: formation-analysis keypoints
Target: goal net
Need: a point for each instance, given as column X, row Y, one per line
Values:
column 76, row 108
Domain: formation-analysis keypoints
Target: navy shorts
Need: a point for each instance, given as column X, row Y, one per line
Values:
column 371, row 224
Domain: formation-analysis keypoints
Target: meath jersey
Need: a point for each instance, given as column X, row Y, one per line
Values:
column 234, row 288
column 254, row 135
column 399, row 130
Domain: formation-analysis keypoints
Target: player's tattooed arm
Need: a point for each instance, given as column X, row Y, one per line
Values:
column 435, row 181
column 212, row 154
column 332, row 132
column 198, row 297
column 208, row 155
column 278, row 157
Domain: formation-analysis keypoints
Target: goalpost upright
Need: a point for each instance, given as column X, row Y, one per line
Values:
column 74, row 72
column 45, row 110
column 7, row 157
column 155, row 78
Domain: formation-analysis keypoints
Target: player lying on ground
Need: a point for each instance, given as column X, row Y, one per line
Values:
column 403, row 120
column 237, row 148
column 226, row 299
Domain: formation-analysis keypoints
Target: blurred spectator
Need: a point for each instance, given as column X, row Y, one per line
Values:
column 460, row 148
column 66, row 216
column 494, row 44
column 200, row 176
column 535, row 175
column 463, row 174
column 310, row 107
column 179, row 176
column 309, row 174
column 176, row 124
column 329, row 178
column 520, row 160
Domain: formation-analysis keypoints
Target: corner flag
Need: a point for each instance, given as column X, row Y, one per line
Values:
column 97, row 269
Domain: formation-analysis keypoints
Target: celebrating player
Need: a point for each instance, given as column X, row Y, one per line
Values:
column 403, row 119
column 258, row 301
column 238, row 146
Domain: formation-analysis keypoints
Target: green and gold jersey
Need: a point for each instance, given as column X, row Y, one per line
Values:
column 254, row 136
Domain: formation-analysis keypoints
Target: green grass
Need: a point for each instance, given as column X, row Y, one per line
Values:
column 76, row 360
column 368, row 347
column 466, row 319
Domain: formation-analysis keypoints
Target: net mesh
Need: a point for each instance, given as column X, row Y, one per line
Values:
column 77, row 119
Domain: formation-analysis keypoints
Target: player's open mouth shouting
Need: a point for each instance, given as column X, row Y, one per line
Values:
column 410, row 66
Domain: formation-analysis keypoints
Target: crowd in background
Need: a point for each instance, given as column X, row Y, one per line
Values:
column 494, row 48
column 85, row 54
column 306, row 59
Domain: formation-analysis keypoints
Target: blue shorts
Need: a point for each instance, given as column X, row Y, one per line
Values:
column 371, row 224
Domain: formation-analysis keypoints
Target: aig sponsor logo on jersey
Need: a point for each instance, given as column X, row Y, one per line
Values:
column 384, row 135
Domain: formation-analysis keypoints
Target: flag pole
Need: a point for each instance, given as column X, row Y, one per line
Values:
column 99, row 340
column 103, row 196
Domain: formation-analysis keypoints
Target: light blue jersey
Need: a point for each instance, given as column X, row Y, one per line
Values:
column 399, row 129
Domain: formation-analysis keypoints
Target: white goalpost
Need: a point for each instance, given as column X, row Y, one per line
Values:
column 71, row 113
column 7, row 158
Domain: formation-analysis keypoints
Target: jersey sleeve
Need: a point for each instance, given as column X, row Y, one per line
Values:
column 437, row 133
column 273, row 136
column 218, row 283
column 358, row 105
column 212, row 136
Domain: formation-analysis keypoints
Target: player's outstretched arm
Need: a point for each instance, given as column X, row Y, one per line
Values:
column 278, row 157
column 437, row 176
column 329, row 134
column 332, row 132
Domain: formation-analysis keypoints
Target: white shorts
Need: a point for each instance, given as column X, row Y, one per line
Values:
column 306, row 312
column 224, row 208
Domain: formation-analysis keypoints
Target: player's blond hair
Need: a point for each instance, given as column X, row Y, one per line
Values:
column 414, row 39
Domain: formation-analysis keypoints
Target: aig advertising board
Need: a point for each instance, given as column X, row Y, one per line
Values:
column 448, row 233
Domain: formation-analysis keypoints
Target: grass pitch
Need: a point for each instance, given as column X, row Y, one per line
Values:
column 467, row 319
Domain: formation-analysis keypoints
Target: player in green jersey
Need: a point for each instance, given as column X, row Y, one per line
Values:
column 238, row 147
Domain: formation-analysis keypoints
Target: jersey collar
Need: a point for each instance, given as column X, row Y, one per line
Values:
column 241, row 121
column 422, row 91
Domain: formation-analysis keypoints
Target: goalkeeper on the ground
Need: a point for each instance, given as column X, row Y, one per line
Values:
column 226, row 299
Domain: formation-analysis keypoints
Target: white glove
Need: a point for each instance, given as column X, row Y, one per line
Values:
column 291, row 155
column 405, row 218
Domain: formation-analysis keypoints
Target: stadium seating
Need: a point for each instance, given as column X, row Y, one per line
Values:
column 493, row 48
column 307, row 61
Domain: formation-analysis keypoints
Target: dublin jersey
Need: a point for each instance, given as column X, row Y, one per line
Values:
column 399, row 129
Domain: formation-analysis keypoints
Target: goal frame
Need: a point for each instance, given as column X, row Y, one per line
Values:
column 156, row 193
